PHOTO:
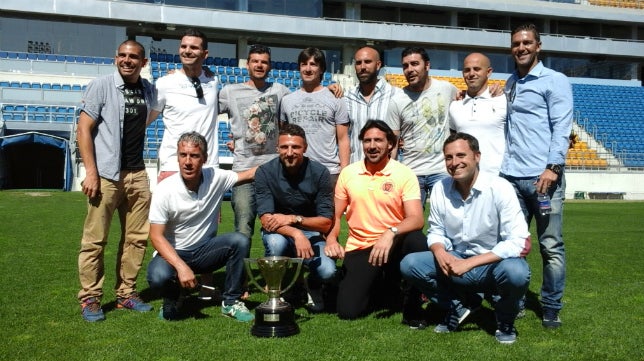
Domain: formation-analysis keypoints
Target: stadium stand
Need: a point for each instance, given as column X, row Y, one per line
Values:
column 43, row 90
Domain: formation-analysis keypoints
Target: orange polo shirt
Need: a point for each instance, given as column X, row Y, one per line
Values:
column 375, row 201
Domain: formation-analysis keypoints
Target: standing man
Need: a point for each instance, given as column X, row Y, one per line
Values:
column 478, row 239
column 382, row 203
column 111, row 133
column 295, row 206
column 323, row 117
column 183, row 230
column 188, row 100
column 253, row 112
column 539, row 124
column 369, row 99
column 479, row 114
column 420, row 116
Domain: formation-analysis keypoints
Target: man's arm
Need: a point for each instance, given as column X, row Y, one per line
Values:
column 344, row 146
column 246, row 176
column 185, row 276
column 91, row 185
column 560, row 108
column 413, row 221
column 333, row 248
column 154, row 114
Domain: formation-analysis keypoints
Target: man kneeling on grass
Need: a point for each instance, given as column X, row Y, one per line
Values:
column 477, row 240
column 183, row 229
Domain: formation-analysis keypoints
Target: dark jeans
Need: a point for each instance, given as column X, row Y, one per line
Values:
column 226, row 250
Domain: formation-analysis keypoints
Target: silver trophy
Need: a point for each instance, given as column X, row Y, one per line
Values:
column 274, row 317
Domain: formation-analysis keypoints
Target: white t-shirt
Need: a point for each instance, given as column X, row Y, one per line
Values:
column 190, row 217
column 423, row 122
column 484, row 118
column 184, row 112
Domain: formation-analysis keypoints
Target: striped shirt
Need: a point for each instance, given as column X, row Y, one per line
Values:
column 361, row 110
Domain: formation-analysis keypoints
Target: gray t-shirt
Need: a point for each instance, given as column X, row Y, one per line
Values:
column 318, row 113
column 254, row 121
column 423, row 122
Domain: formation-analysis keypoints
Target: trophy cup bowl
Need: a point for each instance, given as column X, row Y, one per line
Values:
column 274, row 317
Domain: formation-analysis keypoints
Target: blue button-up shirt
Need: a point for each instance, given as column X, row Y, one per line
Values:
column 540, row 108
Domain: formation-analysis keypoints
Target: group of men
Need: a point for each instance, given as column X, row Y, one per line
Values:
column 303, row 160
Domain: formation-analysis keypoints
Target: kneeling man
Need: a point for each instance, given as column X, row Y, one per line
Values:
column 477, row 240
column 183, row 229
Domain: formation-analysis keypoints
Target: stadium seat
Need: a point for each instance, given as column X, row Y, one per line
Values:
column 4, row 54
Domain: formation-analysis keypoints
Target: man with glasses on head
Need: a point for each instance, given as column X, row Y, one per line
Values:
column 188, row 100
column 539, row 123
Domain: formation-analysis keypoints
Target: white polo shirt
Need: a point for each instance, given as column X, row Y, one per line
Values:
column 484, row 118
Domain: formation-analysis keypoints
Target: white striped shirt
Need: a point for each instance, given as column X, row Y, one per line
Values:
column 361, row 110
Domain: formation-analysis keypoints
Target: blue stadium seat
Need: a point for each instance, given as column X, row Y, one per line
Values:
column 236, row 70
column 14, row 84
column 4, row 54
column 154, row 57
column 244, row 71
column 76, row 87
column 210, row 60
column 36, row 86
column 46, row 85
column 22, row 56
column 66, row 87
column 8, row 108
column 56, row 86
column 32, row 56
column 4, row 84
column 217, row 61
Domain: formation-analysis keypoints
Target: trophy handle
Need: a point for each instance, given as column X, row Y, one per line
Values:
column 296, row 274
column 249, row 271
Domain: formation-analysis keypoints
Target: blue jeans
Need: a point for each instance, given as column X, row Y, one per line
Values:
column 426, row 183
column 226, row 250
column 509, row 279
column 549, row 233
column 245, row 208
column 321, row 267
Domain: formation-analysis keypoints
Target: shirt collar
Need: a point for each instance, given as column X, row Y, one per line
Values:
column 484, row 95
column 386, row 171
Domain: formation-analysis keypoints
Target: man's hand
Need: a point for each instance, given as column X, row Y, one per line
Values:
column 336, row 89
column 333, row 249
column 458, row 267
column 380, row 252
column 91, row 186
column 271, row 222
column 545, row 181
column 303, row 246
column 186, row 277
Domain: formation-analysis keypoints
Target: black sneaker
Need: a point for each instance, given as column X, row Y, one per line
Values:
column 551, row 318
column 415, row 324
column 454, row 318
column 505, row 333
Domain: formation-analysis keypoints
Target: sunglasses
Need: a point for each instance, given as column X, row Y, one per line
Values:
column 197, row 84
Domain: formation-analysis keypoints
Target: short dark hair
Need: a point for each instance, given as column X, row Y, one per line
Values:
column 415, row 50
column 196, row 33
column 528, row 27
column 379, row 124
column 316, row 54
column 135, row 43
column 294, row 130
column 259, row 49
column 472, row 142
column 196, row 139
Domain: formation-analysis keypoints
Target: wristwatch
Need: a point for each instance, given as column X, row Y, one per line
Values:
column 394, row 230
column 298, row 220
column 555, row 168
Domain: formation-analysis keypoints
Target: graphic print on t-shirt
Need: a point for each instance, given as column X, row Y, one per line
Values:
column 260, row 128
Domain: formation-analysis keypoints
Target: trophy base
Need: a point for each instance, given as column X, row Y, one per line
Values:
column 275, row 321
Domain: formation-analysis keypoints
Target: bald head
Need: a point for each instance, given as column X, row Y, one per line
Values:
column 367, row 65
column 476, row 71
